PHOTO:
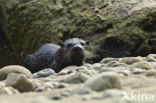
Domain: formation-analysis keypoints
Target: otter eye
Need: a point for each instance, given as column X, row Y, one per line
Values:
column 83, row 44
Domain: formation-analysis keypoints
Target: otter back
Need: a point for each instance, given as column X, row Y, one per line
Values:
column 42, row 58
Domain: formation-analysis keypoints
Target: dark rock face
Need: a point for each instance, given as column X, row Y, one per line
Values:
column 53, row 56
column 116, row 28
column 8, row 57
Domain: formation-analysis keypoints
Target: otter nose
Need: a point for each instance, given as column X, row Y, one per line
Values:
column 77, row 48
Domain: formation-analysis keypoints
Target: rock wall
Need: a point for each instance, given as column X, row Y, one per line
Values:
column 116, row 28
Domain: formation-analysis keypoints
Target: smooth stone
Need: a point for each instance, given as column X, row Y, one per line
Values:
column 8, row 90
column 45, row 73
column 87, row 65
column 57, row 97
column 138, row 71
column 20, row 82
column 45, row 88
column 97, row 66
column 107, row 60
column 150, row 73
column 104, row 81
column 65, row 94
column 143, row 65
column 66, row 70
column 61, row 85
column 130, row 60
column 76, row 78
column 111, row 63
column 124, row 72
column 150, row 59
column 13, row 69
column 82, row 91
column 106, row 69
column 78, row 69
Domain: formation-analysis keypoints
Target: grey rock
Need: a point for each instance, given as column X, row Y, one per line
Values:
column 107, row 60
column 76, row 78
column 82, row 91
column 150, row 73
column 45, row 73
column 104, row 81
column 57, row 97
column 13, row 69
column 137, row 71
column 20, row 82
column 8, row 90
column 143, row 65
column 130, row 60
column 97, row 66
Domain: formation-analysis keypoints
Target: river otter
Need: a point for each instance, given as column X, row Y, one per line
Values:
column 71, row 52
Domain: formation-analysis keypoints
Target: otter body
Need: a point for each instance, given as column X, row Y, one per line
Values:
column 71, row 52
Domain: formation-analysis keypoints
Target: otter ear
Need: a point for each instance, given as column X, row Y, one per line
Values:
column 87, row 42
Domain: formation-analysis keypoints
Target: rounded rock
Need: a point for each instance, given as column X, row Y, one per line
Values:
column 8, row 90
column 45, row 73
column 130, row 60
column 76, row 78
column 104, row 81
column 13, row 69
column 20, row 82
column 142, row 65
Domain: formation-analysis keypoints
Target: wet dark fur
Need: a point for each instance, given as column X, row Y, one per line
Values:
column 56, row 57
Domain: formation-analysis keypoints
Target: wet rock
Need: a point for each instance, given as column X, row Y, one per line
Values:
column 8, row 90
column 104, row 81
column 45, row 73
column 76, row 78
column 13, row 69
column 20, row 82
column 143, row 65
column 130, row 60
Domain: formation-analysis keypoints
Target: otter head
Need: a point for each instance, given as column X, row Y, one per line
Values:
column 75, row 50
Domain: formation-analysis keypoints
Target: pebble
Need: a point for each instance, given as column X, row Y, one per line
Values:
column 143, row 65
column 20, row 82
column 104, row 81
column 8, row 90
column 130, row 60
column 107, row 60
column 76, row 78
column 45, row 73
column 82, row 91
column 151, row 73
column 13, row 69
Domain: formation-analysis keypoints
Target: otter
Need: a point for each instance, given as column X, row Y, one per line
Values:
column 56, row 57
